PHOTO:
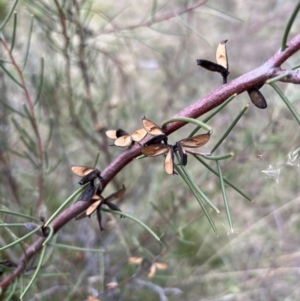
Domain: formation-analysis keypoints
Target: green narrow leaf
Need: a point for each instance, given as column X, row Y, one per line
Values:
column 235, row 121
column 12, row 109
column 49, row 134
column 188, row 120
column 161, row 213
column 180, row 230
column 96, row 160
column 46, row 159
column 31, row 160
column 225, row 15
column 101, row 271
column 191, row 28
column 156, row 11
column 289, row 25
column 10, row 75
column 27, row 113
column 75, row 286
column 217, row 110
column 227, row 208
column 73, row 248
column 225, row 180
column 134, row 219
column 38, row 268
column 296, row 67
column 12, row 291
column 153, row 9
column 20, row 239
column 14, row 32
column 40, row 83
column 8, row 15
column 26, row 139
column 192, row 187
column 12, row 225
column 15, row 153
column 146, row 253
column 277, row 78
column 218, row 158
column 28, row 43
column 65, row 203
column 286, row 101
column 198, row 190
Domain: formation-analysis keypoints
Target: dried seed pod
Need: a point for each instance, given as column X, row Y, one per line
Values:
column 156, row 265
column 211, row 66
column 135, row 260
column 169, row 162
column 116, row 194
column 215, row 68
column 93, row 207
column 155, row 150
column 139, row 135
column 182, row 154
column 151, row 128
column 221, row 55
column 114, row 207
column 161, row 265
column 99, row 217
column 100, row 201
column 88, row 173
column 196, row 141
column 123, row 139
column 81, row 171
column 90, row 177
column 88, row 193
column 257, row 98
column 97, row 185
column 112, row 134
column 157, row 140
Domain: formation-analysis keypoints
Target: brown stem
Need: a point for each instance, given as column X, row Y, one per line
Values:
column 210, row 101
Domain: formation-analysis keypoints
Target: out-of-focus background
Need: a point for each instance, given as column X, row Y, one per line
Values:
column 106, row 65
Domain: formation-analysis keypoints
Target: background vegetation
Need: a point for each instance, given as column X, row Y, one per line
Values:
column 106, row 65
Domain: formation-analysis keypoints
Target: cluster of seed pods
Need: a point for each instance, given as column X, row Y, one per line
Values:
column 222, row 67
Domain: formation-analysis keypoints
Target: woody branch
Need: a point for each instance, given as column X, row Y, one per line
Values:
column 239, row 85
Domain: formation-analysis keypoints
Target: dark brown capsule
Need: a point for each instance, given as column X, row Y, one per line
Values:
column 91, row 176
column 211, row 66
column 99, row 217
column 157, row 140
column 88, row 193
column 182, row 154
column 257, row 98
